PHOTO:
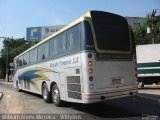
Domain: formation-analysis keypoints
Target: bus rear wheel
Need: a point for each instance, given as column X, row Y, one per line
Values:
column 56, row 96
column 45, row 93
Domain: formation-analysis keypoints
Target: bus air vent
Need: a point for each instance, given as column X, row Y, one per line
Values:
column 74, row 87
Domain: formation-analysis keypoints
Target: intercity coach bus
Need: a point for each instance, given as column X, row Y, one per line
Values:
column 90, row 60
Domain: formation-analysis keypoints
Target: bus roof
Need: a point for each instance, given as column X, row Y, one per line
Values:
column 56, row 33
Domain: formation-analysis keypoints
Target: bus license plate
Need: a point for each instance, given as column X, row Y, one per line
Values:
column 116, row 81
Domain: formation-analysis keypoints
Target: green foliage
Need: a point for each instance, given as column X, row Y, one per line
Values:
column 141, row 36
column 157, row 29
column 12, row 47
column 2, row 65
column 140, row 33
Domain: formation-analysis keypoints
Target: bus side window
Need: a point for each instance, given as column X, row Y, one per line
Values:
column 20, row 60
column 43, row 56
column 16, row 62
column 24, row 62
column 73, row 38
column 26, row 58
column 43, row 51
column 51, row 47
column 58, row 45
column 33, row 55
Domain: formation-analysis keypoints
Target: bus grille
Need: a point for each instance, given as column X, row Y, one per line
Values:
column 74, row 95
column 74, row 87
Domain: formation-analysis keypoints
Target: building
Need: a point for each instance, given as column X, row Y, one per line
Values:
column 39, row 33
column 135, row 21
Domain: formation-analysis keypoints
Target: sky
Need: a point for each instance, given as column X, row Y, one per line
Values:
column 17, row 15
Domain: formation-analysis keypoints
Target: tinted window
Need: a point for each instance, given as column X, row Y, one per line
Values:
column 33, row 55
column 43, row 51
column 20, row 61
column 26, row 58
column 51, row 46
column 111, row 31
column 57, row 44
column 87, row 37
column 73, row 38
column 16, row 62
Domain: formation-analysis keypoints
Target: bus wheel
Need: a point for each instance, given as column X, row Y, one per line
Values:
column 56, row 96
column 45, row 93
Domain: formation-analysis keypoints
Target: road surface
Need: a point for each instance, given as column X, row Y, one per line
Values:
column 14, row 102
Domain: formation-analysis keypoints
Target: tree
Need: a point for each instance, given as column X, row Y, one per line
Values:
column 157, row 29
column 12, row 47
column 2, row 65
column 140, row 33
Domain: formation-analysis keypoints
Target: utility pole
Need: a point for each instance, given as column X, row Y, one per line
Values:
column 152, row 26
column 7, row 69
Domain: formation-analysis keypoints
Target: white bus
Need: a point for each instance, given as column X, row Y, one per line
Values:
column 88, row 61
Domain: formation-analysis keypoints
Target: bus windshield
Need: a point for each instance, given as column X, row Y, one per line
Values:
column 111, row 31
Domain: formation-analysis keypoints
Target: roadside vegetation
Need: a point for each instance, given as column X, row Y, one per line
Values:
column 11, row 48
column 142, row 37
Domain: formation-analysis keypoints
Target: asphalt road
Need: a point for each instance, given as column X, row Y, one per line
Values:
column 14, row 102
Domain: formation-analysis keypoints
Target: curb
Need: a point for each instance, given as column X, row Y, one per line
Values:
column 149, row 98
column 1, row 95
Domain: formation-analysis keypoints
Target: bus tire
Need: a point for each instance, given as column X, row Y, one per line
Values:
column 45, row 93
column 56, row 96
